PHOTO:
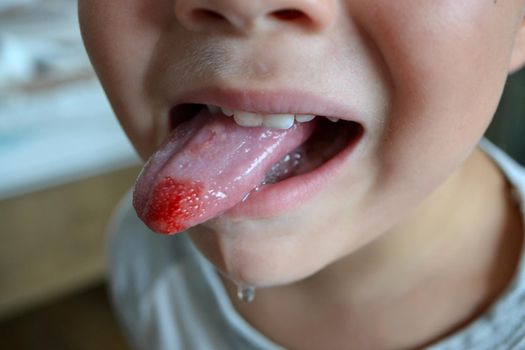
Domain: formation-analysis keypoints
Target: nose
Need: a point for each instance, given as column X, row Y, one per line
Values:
column 248, row 16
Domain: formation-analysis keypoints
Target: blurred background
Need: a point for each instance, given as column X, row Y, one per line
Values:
column 64, row 165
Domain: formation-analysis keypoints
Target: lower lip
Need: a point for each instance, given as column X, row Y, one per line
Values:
column 275, row 199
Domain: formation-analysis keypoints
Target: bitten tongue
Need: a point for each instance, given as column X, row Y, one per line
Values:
column 207, row 166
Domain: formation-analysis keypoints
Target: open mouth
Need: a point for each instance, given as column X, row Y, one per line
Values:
column 222, row 163
column 330, row 136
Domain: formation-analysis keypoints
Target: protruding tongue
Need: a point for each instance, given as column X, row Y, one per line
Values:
column 207, row 166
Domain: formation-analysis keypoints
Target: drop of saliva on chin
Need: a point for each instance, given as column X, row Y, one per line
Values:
column 245, row 293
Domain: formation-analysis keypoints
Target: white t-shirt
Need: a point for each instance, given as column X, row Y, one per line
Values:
column 168, row 296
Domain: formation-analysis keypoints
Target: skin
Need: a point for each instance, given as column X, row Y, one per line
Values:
column 419, row 235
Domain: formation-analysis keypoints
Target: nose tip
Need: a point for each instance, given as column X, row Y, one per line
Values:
column 247, row 16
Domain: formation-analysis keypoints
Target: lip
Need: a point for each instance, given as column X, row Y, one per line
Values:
column 269, row 102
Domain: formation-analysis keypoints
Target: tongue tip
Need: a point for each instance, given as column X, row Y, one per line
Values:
column 171, row 206
column 166, row 228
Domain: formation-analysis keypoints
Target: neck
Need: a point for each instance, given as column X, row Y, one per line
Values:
column 469, row 210
column 461, row 244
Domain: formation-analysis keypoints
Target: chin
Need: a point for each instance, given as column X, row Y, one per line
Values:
column 254, row 259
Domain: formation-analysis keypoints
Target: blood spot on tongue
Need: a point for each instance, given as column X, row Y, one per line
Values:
column 173, row 203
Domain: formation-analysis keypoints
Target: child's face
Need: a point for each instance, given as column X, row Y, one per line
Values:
column 423, row 78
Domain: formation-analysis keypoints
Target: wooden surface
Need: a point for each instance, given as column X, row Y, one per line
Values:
column 53, row 242
column 83, row 321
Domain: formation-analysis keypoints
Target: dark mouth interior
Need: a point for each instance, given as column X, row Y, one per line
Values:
column 327, row 141
column 183, row 112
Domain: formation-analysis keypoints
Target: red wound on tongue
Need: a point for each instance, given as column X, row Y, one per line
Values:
column 173, row 203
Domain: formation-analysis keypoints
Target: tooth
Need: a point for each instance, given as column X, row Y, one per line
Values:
column 279, row 121
column 226, row 111
column 303, row 118
column 213, row 109
column 333, row 119
column 247, row 119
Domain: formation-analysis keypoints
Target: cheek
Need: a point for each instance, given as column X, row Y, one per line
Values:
column 120, row 37
column 448, row 62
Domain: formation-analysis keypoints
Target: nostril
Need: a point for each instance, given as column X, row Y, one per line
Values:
column 205, row 14
column 288, row 15
column 248, row 16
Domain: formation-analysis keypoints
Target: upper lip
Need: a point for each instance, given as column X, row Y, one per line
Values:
column 269, row 102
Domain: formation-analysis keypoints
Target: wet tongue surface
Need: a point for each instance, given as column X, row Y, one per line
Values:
column 207, row 166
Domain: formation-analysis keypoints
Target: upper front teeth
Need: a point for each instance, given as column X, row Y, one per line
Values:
column 303, row 118
column 276, row 121
column 279, row 121
column 247, row 119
